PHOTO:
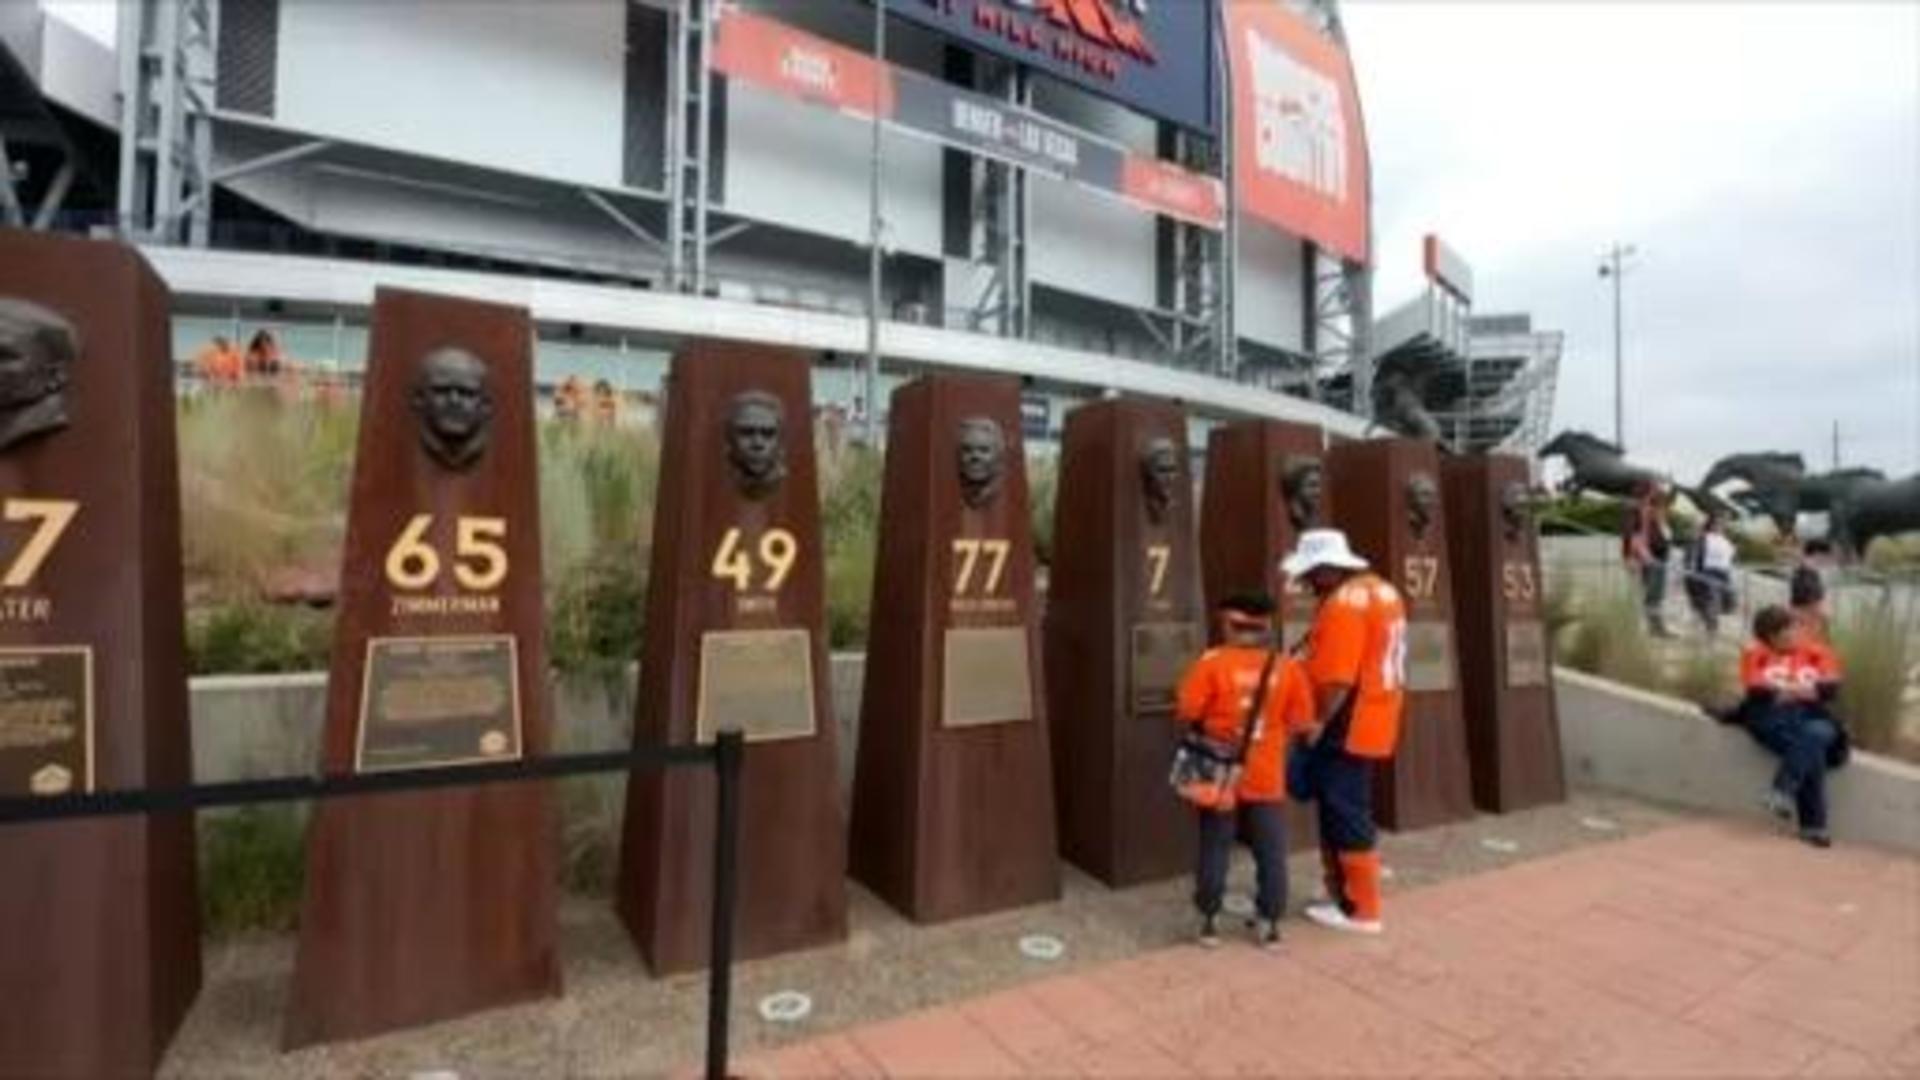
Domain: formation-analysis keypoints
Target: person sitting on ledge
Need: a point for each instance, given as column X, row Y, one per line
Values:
column 1791, row 682
column 1222, row 694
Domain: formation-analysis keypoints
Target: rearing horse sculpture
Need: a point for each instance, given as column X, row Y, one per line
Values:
column 1598, row 465
column 1868, row 509
column 1774, row 480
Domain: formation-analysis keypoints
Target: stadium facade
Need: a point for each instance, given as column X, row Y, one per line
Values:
column 1163, row 197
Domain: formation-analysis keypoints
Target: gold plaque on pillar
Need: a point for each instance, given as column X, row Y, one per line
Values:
column 1429, row 656
column 1526, row 653
column 1161, row 653
column 759, row 681
column 986, row 680
column 46, row 720
column 430, row 702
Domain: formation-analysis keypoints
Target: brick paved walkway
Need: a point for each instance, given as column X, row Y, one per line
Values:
column 1712, row 949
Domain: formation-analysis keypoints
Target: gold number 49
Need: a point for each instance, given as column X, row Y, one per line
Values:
column 54, row 515
column 479, row 562
column 968, row 554
column 777, row 549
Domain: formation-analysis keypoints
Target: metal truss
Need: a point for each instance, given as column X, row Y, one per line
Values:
column 689, row 134
column 1200, row 333
column 997, row 233
column 168, row 67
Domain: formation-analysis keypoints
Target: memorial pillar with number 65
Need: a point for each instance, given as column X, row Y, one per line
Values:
column 424, row 905
column 1391, row 508
column 953, row 809
column 735, row 639
column 99, row 920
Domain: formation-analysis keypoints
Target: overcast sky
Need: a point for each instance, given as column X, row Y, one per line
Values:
column 1764, row 157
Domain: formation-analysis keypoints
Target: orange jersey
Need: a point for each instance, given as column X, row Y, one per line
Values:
column 1216, row 693
column 1359, row 639
column 1796, row 671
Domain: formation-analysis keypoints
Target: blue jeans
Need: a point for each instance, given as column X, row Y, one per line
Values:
column 1266, row 830
column 1801, row 735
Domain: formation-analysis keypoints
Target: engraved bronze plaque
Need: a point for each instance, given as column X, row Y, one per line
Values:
column 759, row 681
column 437, row 701
column 1526, row 653
column 1429, row 656
column 46, row 720
column 1161, row 653
column 986, row 678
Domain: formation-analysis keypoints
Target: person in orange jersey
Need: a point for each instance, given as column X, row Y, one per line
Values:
column 1355, row 659
column 1248, row 699
column 1791, row 681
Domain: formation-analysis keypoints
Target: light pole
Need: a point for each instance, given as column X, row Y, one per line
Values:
column 1614, row 265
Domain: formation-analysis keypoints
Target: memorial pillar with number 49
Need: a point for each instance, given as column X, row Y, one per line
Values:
column 736, row 639
column 99, row 920
column 424, row 905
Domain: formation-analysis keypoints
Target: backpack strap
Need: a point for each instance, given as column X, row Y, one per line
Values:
column 1259, row 702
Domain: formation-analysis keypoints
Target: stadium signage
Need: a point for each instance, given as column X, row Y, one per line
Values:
column 1301, row 148
column 1150, row 55
column 1446, row 268
column 769, row 54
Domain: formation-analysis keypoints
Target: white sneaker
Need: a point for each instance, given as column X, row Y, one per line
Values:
column 1331, row 917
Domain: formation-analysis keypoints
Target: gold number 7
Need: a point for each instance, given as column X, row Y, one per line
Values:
column 54, row 515
column 1157, row 556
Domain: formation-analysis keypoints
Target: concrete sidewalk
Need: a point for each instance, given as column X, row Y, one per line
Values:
column 1709, row 949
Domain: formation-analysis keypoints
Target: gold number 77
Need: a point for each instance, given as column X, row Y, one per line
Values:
column 54, row 515
column 968, row 552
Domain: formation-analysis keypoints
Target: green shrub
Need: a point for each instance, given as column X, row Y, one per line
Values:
column 1610, row 640
column 252, row 638
column 1895, row 555
column 252, row 869
column 596, row 612
column 1754, row 549
column 850, row 484
column 1043, row 490
column 1581, row 516
column 1877, row 651
column 590, row 811
column 1704, row 675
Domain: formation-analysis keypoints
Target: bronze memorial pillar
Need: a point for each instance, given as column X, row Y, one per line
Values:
column 426, row 905
column 1123, row 621
column 1391, row 508
column 99, row 919
column 1266, row 482
column 736, row 639
column 953, row 796
column 1513, row 735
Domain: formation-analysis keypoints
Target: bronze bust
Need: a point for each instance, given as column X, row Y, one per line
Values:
column 1516, row 512
column 756, row 444
column 1159, row 477
column 455, row 408
column 1423, row 503
column 37, row 351
column 982, row 450
column 1303, row 483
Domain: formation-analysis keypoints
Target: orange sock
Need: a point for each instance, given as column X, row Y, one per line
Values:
column 1362, row 872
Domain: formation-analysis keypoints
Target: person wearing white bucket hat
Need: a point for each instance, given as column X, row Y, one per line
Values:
column 1356, row 660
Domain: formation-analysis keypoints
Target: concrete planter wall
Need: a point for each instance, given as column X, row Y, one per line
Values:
column 1614, row 737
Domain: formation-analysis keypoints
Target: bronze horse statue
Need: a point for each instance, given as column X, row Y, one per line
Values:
column 1868, row 509
column 1598, row 465
column 1778, row 486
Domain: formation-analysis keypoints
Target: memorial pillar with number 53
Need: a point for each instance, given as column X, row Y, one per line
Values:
column 735, row 639
column 425, row 905
column 1391, row 507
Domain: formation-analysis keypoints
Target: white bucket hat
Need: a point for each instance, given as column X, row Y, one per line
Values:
column 1321, row 547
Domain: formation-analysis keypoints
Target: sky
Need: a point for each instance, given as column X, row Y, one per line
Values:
column 1764, row 158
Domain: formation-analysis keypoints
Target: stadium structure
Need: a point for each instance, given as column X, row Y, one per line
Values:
column 1098, row 196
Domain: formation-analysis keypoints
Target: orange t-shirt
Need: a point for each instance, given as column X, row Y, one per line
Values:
column 1359, row 639
column 1216, row 693
column 1796, row 671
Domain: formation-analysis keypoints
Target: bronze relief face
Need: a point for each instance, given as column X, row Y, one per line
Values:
column 37, row 352
column 454, row 406
column 980, row 457
column 1516, row 512
column 1423, row 503
column 1303, row 482
column 756, row 443
column 1159, row 477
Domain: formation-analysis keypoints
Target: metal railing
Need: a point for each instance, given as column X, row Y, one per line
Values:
column 724, row 757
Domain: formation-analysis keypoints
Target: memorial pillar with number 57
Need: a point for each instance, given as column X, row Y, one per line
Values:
column 735, row 639
column 424, row 905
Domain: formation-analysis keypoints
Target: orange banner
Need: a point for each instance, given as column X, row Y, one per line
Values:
column 776, row 57
column 1300, row 146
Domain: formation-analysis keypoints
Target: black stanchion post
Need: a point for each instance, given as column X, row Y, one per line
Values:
column 728, row 749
